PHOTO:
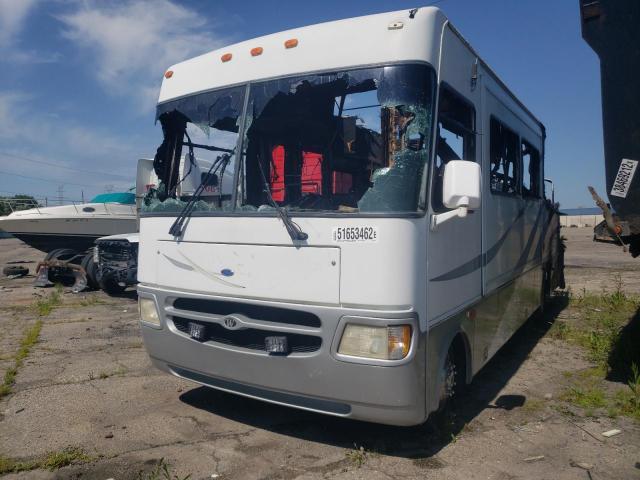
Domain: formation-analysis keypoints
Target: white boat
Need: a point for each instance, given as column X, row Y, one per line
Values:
column 74, row 226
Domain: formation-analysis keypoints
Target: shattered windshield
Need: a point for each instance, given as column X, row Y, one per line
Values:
column 354, row 141
column 200, row 137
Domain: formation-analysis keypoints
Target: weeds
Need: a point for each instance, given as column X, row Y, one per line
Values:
column 357, row 456
column 602, row 320
column 533, row 405
column 45, row 306
column 91, row 300
column 120, row 371
column 162, row 471
column 586, row 397
column 608, row 327
column 627, row 401
column 52, row 461
column 29, row 340
column 69, row 455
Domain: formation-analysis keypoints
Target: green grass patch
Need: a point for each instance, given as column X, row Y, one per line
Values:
column 607, row 326
column 627, row 401
column 590, row 397
column 533, row 405
column 52, row 461
column 44, row 306
column 29, row 339
column 69, row 455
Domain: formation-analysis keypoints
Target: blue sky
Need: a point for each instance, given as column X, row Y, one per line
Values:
column 80, row 79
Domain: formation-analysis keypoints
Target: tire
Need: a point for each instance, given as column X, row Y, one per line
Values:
column 453, row 377
column 64, row 254
column 110, row 286
column 15, row 270
column 63, row 275
column 91, row 268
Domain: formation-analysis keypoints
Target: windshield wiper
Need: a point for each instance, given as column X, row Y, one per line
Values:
column 177, row 229
column 293, row 229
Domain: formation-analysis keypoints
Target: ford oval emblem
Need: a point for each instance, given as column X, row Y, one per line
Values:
column 226, row 272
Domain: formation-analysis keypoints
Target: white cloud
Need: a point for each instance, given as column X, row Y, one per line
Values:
column 12, row 17
column 28, row 133
column 132, row 43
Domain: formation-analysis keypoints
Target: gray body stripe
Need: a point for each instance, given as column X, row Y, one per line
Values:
column 484, row 259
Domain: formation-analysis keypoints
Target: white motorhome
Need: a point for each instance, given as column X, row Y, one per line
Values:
column 385, row 232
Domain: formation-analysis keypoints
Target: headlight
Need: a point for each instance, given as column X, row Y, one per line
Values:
column 148, row 311
column 384, row 343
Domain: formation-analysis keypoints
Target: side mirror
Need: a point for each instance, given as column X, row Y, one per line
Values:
column 460, row 190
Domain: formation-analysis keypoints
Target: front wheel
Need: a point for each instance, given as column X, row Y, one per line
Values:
column 448, row 381
column 452, row 376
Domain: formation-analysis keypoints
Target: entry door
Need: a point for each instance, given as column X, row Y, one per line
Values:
column 454, row 248
column 505, row 210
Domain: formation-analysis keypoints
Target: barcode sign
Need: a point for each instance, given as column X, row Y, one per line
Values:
column 624, row 178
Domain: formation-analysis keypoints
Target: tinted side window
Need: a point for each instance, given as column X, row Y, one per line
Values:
column 504, row 157
column 455, row 139
column 530, row 171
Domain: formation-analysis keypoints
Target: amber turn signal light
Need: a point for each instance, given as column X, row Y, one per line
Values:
column 226, row 57
column 256, row 51
column 291, row 43
column 168, row 74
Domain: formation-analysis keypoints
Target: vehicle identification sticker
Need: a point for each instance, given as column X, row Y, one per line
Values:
column 355, row 234
column 624, row 178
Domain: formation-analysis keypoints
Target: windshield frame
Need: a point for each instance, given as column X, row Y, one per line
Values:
column 421, row 207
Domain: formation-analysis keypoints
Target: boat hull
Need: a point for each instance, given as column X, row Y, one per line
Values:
column 48, row 229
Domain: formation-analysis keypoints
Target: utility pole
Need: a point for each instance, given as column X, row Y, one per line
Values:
column 60, row 194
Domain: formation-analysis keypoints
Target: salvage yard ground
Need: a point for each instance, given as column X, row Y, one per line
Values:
column 79, row 398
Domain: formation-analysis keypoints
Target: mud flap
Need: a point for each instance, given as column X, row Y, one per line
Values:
column 42, row 276
column 44, row 270
column 80, row 277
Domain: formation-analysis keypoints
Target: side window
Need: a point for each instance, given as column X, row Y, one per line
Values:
column 530, row 171
column 455, row 139
column 505, row 159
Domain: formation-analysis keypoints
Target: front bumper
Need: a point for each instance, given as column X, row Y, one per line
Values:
column 318, row 380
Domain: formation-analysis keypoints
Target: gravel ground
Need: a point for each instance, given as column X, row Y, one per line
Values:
column 88, row 383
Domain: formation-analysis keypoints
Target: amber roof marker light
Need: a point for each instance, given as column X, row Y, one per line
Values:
column 226, row 57
column 291, row 43
column 256, row 51
column 168, row 74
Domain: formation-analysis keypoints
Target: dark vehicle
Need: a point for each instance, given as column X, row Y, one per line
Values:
column 116, row 260
column 611, row 28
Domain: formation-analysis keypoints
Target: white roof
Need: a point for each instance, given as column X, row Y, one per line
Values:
column 366, row 40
